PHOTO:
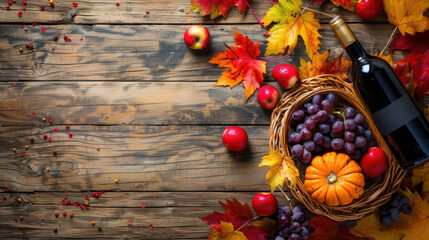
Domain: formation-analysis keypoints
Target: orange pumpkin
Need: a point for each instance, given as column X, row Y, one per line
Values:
column 334, row 179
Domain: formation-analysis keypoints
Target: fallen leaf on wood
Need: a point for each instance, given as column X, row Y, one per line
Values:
column 242, row 63
column 289, row 24
column 226, row 232
column 371, row 226
column 327, row 229
column 282, row 168
column 216, row 8
column 407, row 15
column 421, row 173
column 320, row 64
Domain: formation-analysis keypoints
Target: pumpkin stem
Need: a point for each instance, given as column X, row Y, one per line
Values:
column 332, row 178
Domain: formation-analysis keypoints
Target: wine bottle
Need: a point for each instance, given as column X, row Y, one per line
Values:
column 394, row 112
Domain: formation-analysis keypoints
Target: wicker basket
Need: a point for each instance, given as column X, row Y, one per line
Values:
column 377, row 190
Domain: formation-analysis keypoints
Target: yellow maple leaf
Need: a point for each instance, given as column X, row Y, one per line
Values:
column 320, row 64
column 346, row 4
column 388, row 58
column 290, row 24
column 407, row 15
column 371, row 226
column 421, row 174
column 415, row 226
column 281, row 168
column 226, row 232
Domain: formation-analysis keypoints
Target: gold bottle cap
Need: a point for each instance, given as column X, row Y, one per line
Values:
column 342, row 31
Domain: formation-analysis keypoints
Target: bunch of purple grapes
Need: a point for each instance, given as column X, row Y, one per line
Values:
column 292, row 224
column 390, row 211
column 319, row 127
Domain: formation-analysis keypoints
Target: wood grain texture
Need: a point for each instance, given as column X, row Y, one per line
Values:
column 161, row 12
column 141, row 53
column 127, row 103
column 174, row 215
column 143, row 158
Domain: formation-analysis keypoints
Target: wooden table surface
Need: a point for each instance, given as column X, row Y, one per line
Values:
column 132, row 88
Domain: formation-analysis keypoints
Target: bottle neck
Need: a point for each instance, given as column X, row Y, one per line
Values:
column 355, row 51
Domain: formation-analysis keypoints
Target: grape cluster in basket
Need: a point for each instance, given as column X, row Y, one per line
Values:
column 390, row 211
column 292, row 224
column 323, row 125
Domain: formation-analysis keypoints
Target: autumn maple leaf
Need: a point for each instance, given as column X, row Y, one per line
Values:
column 289, row 24
column 320, row 64
column 225, row 232
column 282, row 168
column 216, row 8
column 346, row 4
column 407, row 15
column 417, row 61
column 327, row 229
column 421, row 174
column 371, row 226
column 240, row 216
column 415, row 226
column 242, row 63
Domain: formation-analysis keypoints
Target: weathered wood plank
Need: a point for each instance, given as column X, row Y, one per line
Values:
column 142, row 158
column 140, row 53
column 174, row 215
column 118, row 103
column 134, row 12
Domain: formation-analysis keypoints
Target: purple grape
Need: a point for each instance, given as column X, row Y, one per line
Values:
column 338, row 126
column 297, row 150
column 356, row 155
column 310, row 123
column 284, row 232
column 322, row 116
column 349, row 148
column 317, row 99
column 406, row 209
column 350, row 125
column 287, row 210
column 295, row 227
column 360, row 142
column 305, row 234
column 384, row 210
column 394, row 214
column 294, row 138
column 360, row 131
column 367, row 134
column 309, row 145
column 298, row 217
column 404, row 200
column 296, row 209
column 394, row 202
column 294, row 236
column 306, row 106
column 337, row 144
column 313, row 109
column 336, row 134
column 298, row 115
column 349, row 136
column 349, row 113
column 306, row 156
column 327, row 143
column 332, row 98
column 331, row 119
column 283, row 220
column 279, row 238
column 318, row 138
column 326, row 105
column 385, row 220
column 359, row 119
column 324, row 128
column 300, row 127
column 306, row 134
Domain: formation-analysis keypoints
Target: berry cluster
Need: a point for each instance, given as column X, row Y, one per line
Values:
column 323, row 125
column 390, row 211
column 292, row 224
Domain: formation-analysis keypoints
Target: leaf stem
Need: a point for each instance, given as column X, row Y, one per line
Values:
column 361, row 233
column 256, row 217
column 287, row 198
column 254, row 14
column 391, row 36
column 318, row 12
column 305, row 8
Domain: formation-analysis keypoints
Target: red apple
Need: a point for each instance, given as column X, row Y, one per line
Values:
column 234, row 138
column 286, row 75
column 374, row 162
column 268, row 96
column 264, row 204
column 197, row 37
column 367, row 9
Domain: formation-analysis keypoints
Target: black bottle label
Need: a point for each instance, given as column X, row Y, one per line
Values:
column 395, row 115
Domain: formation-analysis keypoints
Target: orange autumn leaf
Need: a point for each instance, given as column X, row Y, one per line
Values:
column 216, row 8
column 289, row 24
column 371, row 226
column 320, row 64
column 242, row 63
column 388, row 58
column 346, row 4
column 225, row 232
column 407, row 15
column 421, row 173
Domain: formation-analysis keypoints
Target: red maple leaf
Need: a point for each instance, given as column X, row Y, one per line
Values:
column 216, row 8
column 239, row 215
column 417, row 60
column 243, row 65
column 327, row 229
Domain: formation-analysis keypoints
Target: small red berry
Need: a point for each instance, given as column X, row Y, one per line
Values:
column 4, row 197
column 86, row 207
column 34, row 114
column 63, row 202
column 31, row 46
column 34, row 24
column 65, row 37
column 56, row 38
column 16, row 220
column 5, row 189
column 56, row 129
column 32, row 139
column 24, row 2
column 154, row 196
column 50, row 120
column 23, row 230
column 151, row 226
column 70, row 135
column 22, row 26
column 69, row 40
column 117, row 4
column 56, row 214
column 64, row 214
column 75, row 4
column 20, row 13
column 42, row 8
column 67, row 127
column 43, row 29
column 52, row 5
column 23, row 154
column 143, row 206
column 86, row 197
column 23, row 9
column 54, row 153
column 81, row 39
column 22, row 66
column 14, row 84
column 55, row 230
column 9, row 2
column 147, row 11
column 71, row 215
column 129, row 223
column 7, row 8
column 49, row 139
column 27, row 45
column 45, row 135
